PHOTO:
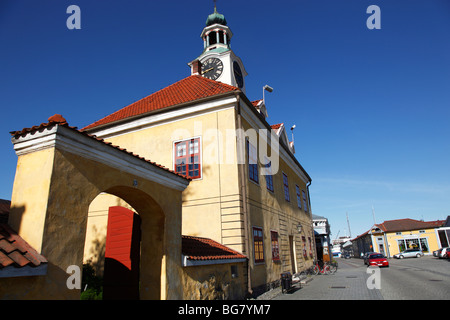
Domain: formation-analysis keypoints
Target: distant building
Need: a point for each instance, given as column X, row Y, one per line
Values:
column 444, row 234
column 322, row 235
column 394, row 236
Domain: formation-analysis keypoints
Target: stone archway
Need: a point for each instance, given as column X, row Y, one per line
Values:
column 60, row 171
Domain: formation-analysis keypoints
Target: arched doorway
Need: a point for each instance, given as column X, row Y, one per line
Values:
column 60, row 171
column 114, row 244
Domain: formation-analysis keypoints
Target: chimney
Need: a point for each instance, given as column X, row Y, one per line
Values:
column 196, row 68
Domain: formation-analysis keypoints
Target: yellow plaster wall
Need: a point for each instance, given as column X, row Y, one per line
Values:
column 213, row 205
column 271, row 212
column 70, row 186
column 429, row 234
column 216, row 193
column 30, row 194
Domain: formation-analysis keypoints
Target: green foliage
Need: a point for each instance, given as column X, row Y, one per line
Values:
column 94, row 288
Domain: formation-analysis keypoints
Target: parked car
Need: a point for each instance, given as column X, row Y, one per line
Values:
column 376, row 259
column 444, row 253
column 436, row 253
column 366, row 255
column 410, row 253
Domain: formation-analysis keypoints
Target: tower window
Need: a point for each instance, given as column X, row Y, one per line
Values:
column 221, row 37
column 212, row 38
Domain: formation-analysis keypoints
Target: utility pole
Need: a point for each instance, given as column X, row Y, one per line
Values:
column 373, row 215
column 348, row 223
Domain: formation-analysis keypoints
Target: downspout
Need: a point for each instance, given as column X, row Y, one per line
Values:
column 243, row 191
column 312, row 223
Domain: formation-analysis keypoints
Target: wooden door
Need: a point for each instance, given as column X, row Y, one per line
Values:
column 122, row 255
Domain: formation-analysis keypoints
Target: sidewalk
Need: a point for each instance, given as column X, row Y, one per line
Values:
column 348, row 283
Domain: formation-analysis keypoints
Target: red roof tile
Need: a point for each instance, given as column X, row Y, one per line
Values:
column 16, row 251
column 409, row 224
column 188, row 89
column 257, row 102
column 276, row 126
column 196, row 248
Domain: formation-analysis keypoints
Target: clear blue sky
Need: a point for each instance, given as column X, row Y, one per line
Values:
column 372, row 107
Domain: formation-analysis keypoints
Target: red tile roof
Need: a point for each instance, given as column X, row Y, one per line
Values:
column 408, row 224
column 186, row 90
column 58, row 119
column 256, row 103
column 196, row 248
column 276, row 126
column 14, row 251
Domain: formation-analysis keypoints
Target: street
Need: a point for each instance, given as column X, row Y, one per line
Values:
column 423, row 278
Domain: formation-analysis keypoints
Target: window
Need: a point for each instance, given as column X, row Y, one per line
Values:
column 234, row 272
column 304, row 246
column 258, row 244
column 304, row 201
column 275, row 247
column 299, row 199
column 187, row 158
column 286, row 187
column 269, row 177
column 252, row 158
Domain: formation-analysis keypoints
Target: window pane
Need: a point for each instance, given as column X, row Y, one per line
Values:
column 286, row 188
column 299, row 200
column 185, row 164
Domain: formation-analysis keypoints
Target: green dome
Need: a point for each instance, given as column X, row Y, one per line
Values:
column 216, row 17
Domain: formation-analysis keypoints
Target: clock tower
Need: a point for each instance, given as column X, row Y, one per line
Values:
column 218, row 62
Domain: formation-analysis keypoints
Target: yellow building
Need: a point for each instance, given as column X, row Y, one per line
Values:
column 248, row 191
column 393, row 236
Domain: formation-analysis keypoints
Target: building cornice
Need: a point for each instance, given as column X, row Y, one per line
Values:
column 67, row 139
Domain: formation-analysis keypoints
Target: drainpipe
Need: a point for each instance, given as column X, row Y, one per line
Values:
column 312, row 223
column 243, row 190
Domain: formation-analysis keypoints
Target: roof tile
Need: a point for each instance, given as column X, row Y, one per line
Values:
column 408, row 224
column 196, row 248
column 188, row 89
column 14, row 249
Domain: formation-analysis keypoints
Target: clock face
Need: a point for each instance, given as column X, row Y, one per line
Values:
column 212, row 68
column 238, row 74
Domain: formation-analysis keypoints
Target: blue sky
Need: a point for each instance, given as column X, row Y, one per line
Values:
column 371, row 106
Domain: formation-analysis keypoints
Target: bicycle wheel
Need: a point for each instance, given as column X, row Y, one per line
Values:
column 315, row 270
column 326, row 269
column 333, row 268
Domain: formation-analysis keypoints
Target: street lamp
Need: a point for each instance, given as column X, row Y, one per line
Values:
column 299, row 228
column 266, row 88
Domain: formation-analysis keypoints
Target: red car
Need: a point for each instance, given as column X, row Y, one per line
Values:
column 377, row 259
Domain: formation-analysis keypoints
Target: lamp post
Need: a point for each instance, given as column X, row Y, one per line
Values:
column 299, row 228
column 266, row 88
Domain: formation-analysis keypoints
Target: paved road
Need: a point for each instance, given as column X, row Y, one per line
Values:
column 413, row 279
column 417, row 279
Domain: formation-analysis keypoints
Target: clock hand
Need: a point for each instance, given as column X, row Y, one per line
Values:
column 207, row 70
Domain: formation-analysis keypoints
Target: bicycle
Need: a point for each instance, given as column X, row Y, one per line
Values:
column 307, row 272
column 333, row 266
column 325, row 269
